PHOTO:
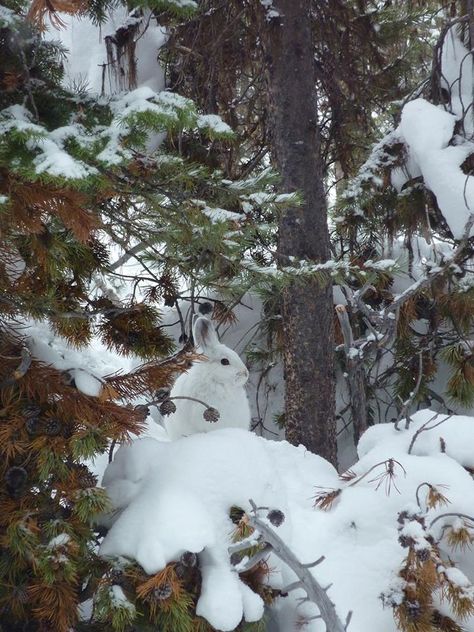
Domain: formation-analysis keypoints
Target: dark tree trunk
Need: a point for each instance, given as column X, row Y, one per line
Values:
column 303, row 233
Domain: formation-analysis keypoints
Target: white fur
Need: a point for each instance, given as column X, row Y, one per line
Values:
column 219, row 386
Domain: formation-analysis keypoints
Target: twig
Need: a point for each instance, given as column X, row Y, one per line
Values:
column 20, row 371
column 154, row 402
column 428, row 280
column 424, row 428
column 314, row 591
column 358, row 480
column 446, row 515
column 111, row 450
column 356, row 375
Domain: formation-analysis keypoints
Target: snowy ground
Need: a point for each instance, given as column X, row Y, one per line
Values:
column 174, row 497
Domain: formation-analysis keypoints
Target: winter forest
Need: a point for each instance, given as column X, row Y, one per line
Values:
column 236, row 315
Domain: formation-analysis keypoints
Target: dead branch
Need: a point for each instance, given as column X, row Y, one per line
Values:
column 425, row 428
column 314, row 591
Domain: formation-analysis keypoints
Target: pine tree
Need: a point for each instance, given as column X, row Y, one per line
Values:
column 367, row 57
column 77, row 179
column 375, row 212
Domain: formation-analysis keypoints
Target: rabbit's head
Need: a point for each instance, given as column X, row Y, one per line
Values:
column 222, row 364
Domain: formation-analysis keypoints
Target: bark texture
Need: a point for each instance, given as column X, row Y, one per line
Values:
column 303, row 232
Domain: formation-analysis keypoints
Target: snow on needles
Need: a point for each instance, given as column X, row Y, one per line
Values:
column 173, row 497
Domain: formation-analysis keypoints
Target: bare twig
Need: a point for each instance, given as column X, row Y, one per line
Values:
column 425, row 428
column 21, row 369
column 453, row 514
column 314, row 591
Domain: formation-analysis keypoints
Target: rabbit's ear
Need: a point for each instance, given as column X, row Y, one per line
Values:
column 204, row 334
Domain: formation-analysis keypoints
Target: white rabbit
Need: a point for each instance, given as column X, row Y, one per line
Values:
column 218, row 381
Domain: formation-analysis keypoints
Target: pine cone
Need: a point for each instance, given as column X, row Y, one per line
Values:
column 276, row 517
column 205, row 308
column 413, row 609
column 406, row 541
column 133, row 338
column 167, row 407
column 117, row 576
column 188, row 559
column 53, row 427
column 163, row 592
column 423, row 555
column 33, row 426
column 15, row 480
column 85, row 476
column 143, row 410
column 211, row 414
column 162, row 393
column 32, row 410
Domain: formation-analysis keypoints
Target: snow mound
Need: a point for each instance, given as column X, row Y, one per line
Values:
column 437, row 432
column 175, row 497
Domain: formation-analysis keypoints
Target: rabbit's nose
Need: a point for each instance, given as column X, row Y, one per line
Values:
column 244, row 374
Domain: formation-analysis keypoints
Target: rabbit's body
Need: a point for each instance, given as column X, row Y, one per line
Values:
column 218, row 381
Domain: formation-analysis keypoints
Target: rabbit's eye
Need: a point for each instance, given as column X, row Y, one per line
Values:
column 225, row 361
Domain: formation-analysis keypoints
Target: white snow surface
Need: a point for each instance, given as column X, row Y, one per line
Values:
column 175, row 496
column 455, row 430
column 86, row 57
column 87, row 366
column 458, row 76
column 427, row 129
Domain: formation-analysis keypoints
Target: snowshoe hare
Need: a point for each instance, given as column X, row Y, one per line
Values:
column 218, row 381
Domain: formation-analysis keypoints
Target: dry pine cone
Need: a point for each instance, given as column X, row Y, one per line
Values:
column 211, row 414
column 167, row 407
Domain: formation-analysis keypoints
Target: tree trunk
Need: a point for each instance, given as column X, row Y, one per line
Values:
column 307, row 306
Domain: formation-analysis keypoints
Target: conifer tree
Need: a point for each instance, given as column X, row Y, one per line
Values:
column 77, row 179
column 367, row 56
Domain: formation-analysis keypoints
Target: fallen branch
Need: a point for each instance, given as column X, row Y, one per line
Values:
column 314, row 591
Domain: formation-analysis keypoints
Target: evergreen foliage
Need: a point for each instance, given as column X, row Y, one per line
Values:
column 77, row 179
